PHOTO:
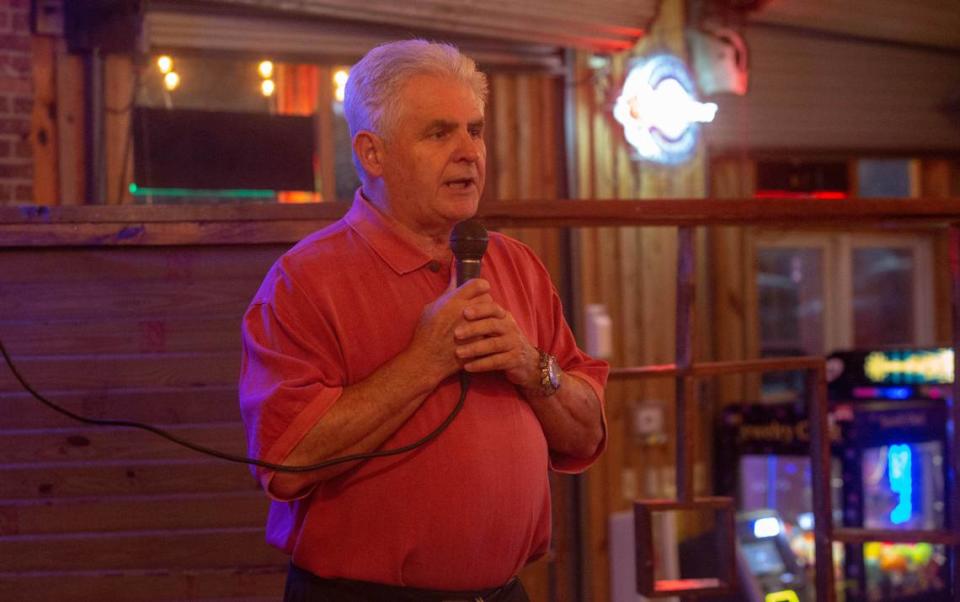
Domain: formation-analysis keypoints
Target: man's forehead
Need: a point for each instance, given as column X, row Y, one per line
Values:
column 430, row 98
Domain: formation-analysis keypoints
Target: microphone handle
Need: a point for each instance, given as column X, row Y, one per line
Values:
column 467, row 269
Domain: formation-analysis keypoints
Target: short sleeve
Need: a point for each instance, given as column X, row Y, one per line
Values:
column 291, row 370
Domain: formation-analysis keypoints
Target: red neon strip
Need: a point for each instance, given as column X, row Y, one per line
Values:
column 832, row 195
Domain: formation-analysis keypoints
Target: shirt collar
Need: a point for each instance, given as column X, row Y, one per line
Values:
column 383, row 237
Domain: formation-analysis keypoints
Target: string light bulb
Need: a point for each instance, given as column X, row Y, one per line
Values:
column 267, row 87
column 265, row 68
column 165, row 63
column 171, row 80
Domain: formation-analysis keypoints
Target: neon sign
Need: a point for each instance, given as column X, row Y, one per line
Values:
column 659, row 111
column 925, row 367
column 787, row 595
column 900, row 467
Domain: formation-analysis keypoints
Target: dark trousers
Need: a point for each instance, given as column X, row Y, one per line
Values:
column 303, row 586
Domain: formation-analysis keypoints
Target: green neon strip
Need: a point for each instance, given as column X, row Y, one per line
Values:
column 205, row 192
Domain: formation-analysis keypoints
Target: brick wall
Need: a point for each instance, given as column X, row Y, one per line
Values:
column 16, row 103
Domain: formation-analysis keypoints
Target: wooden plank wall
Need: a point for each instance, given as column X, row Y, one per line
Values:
column 92, row 513
column 633, row 272
column 524, row 162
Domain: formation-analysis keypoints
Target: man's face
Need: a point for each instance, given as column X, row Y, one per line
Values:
column 434, row 157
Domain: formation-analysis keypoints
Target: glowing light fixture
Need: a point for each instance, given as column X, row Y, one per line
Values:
column 171, row 81
column 164, row 63
column 265, row 68
column 267, row 87
column 900, row 467
column 659, row 110
column 768, row 526
column 340, row 78
column 805, row 521
column 787, row 595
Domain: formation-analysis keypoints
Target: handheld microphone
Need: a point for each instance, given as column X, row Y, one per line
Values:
column 468, row 242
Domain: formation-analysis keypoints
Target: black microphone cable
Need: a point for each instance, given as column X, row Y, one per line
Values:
column 464, row 386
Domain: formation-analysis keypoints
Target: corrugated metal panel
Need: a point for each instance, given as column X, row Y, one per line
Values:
column 312, row 39
column 607, row 25
column 927, row 22
column 813, row 93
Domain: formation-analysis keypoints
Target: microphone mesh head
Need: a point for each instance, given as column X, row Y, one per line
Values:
column 469, row 240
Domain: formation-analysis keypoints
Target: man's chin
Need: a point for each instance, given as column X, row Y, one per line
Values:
column 461, row 207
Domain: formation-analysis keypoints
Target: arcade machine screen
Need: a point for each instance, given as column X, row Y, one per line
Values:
column 763, row 557
column 903, row 488
column 783, row 483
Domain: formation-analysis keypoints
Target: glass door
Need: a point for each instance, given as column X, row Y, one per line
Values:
column 820, row 292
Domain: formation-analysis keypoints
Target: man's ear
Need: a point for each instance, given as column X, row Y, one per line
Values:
column 368, row 148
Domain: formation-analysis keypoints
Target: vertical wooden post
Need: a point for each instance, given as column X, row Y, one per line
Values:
column 71, row 133
column 43, row 134
column 953, row 413
column 118, row 99
column 686, row 289
column 816, row 386
column 325, row 151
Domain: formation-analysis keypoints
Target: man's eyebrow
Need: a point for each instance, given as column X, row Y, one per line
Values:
column 445, row 125
column 440, row 124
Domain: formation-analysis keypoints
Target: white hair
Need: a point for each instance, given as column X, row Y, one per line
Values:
column 371, row 96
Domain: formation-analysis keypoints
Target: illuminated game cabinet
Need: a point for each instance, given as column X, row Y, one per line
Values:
column 763, row 461
column 891, row 409
column 888, row 416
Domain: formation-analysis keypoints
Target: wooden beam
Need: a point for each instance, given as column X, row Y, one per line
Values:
column 43, row 125
column 70, row 127
column 530, row 213
column 118, row 98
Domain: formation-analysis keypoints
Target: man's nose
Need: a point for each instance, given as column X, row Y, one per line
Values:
column 469, row 148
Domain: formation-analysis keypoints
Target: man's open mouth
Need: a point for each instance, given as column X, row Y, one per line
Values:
column 461, row 183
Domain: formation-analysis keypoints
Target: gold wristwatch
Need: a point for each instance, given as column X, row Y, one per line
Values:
column 549, row 374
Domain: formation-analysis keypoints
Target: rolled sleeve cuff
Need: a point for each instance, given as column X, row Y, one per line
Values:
column 293, row 435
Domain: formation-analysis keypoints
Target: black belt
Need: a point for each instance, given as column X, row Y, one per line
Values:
column 304, row 586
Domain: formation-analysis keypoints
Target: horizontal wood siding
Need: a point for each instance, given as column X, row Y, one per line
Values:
column 144, row 333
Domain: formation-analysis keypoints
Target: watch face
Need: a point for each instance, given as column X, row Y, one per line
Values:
column 553, row 370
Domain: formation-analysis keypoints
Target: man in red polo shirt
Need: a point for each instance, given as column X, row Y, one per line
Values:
column 354, row 343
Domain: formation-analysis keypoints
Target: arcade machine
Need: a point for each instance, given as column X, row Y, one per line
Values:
column 765, row 550
column 763, row 461
column 890, row 406
column 888, row 417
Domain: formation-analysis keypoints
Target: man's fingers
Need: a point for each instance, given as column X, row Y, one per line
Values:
column 488, row 363
column 484, row 308
column 487, row 327
column 473, row 288
column 483, row 347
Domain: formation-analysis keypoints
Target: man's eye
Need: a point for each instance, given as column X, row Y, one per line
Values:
column 476, row 132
